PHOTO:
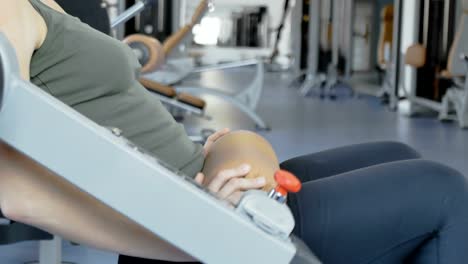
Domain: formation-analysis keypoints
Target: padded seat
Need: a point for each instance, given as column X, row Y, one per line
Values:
column 161, row 89
column 170, row 92
column 191, row 100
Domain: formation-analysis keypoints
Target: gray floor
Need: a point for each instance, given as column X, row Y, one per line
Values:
column 300, row 126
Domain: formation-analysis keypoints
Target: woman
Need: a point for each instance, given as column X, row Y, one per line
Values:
column 372, row 203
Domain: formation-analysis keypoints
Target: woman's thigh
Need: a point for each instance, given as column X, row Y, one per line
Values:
column 385, row 214
column 340, row 160
column 328, row 163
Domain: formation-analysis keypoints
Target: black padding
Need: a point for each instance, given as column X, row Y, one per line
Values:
column 2, row 82
column 90, row 12
column 17, row 232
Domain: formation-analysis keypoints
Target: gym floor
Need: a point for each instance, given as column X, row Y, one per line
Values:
column 299, row 126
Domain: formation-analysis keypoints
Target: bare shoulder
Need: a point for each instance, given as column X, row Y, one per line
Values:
column 24, row 28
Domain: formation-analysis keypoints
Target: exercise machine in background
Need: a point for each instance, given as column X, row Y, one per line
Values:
column 168, row 72
column 329, row 48
column 384, row 53
column 424, row 85
column 310, row 78
column 338, row 74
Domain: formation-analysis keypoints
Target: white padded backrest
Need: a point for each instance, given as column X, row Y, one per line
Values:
column 455, row 65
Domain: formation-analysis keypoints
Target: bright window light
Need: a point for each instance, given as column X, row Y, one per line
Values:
column 208, row 31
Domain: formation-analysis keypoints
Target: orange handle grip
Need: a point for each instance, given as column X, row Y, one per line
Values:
column 287, row 182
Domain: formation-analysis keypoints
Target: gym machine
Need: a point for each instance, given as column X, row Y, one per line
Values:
column 259, row 227
column 424, row 60
column 330, row 35
column 342, row 45
column 170, row 73
column 313, row 79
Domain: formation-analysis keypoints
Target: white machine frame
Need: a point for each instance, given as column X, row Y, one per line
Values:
column 313, row 79
column 103, row 158
column 333, row 76
column 176, row 70
column 326, row 83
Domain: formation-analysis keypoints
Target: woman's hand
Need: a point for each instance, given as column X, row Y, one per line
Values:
column 230, row 184
column 212, row 139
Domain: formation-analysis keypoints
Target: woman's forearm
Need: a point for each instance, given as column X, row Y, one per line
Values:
column 243, row 147
column 32, row 195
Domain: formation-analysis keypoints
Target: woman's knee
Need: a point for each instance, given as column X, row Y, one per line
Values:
column 439, row 188
column 397, row 149
column 438, row 176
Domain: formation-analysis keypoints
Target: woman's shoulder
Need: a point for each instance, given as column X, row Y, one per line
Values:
column 24, row 28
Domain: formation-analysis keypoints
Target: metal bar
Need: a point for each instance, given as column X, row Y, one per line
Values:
column 2, row 81
column 188, row 108
column 314, row 36
column 129, row 14
column 336, row 29
column 445, row 34
column 242, row 106
column 350, row 35
column 395, row 65
column 426, row 14
column 50, row 251
column 161, row 15
column 226, row 66
column 436, row 106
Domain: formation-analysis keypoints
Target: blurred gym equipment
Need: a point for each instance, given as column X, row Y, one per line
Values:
column 426, row 58
column 168, row 73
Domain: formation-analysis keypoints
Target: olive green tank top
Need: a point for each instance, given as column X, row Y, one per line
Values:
column 97, row 76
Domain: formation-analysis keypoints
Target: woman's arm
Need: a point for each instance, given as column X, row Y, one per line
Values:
column 242, row 147
column 33, row 195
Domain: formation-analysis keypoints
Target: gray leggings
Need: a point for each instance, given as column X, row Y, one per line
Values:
column 380, row 203
column 377, row 203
